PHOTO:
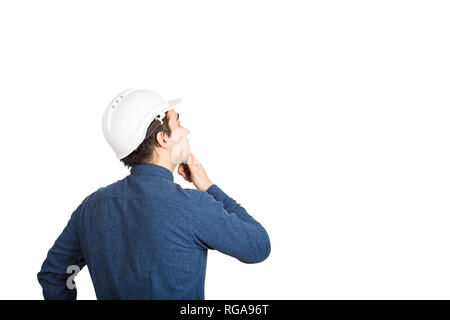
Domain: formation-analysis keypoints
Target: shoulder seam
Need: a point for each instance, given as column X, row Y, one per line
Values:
column 179, row 204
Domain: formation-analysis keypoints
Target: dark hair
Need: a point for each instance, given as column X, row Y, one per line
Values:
column 146, row 149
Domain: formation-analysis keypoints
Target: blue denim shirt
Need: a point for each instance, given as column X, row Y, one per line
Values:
column 145, row 237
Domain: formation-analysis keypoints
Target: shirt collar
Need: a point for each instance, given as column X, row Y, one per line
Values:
column 148, row 169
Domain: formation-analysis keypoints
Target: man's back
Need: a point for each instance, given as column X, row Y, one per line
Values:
column 145, row 237
column 137, row 242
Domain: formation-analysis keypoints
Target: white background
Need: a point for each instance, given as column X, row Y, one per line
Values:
column 327, row 120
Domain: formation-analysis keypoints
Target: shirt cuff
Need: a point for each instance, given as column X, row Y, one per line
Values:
column 217, row 193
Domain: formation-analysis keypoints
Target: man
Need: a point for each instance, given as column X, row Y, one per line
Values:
column 145, row 237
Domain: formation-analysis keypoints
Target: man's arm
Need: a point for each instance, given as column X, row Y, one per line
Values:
column 231, row 205
column 220, row 223
column 65, row 252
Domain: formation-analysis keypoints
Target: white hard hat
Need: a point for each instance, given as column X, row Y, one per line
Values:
column 128, row 116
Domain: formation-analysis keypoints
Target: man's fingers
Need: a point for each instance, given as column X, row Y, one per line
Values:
column 181, row 171
column 184, row 172
column 195, row 172
column 189, row 159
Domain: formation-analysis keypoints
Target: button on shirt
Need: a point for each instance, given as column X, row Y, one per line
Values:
column 145, row 237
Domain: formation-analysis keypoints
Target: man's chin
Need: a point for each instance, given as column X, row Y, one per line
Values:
column 185, row 159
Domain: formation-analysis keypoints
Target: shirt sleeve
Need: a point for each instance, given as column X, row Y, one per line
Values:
column 54, row 273
column 220, row 223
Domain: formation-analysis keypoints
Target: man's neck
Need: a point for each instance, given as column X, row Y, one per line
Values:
column 166, row 164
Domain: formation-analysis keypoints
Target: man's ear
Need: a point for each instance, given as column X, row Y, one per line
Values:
column 161, row 138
